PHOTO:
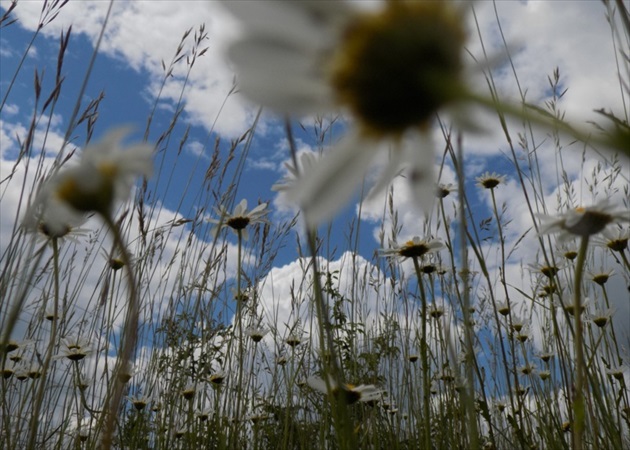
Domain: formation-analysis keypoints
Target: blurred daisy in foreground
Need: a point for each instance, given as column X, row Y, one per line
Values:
column 240, row 219
column 392, row 68
column 350, row 394
column 104, row 176
column 584, row 221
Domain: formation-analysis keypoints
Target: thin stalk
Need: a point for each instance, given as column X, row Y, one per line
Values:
column 580, row 366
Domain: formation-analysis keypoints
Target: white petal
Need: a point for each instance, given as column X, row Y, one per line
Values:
column 284, row 20
column 330, row 184
column 420, row 156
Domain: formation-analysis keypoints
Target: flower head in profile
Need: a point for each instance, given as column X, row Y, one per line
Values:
column 239, row 219
column 584, row 221
column 392, row 69
column 490, row 180
column 74, row 348
column 364, row 393
column 615, row 239
column 104, row 175
column 218, row 377
column 256, row 333
column 415, row 248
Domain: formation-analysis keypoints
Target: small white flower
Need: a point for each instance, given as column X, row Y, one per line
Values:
column 584, row 221
column 74, row 349
column 256, row 333
column 240, row 219
column 350, row 394
column 415, row 248
column 490, row 180
column 217, row 377
column 392, row 68
column 104, row 175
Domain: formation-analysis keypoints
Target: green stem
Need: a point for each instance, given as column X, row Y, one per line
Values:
column 580, row 367
column 426, row 382
column 129, row 337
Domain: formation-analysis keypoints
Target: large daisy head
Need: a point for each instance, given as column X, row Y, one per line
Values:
column 391, row 68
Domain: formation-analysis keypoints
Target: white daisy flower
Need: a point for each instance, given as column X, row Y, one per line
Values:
column 104, row 176
column 415, row 248
column 74, row 348
column 350, row 394
column 584, row 221
column 391, row 68
column 239, row 219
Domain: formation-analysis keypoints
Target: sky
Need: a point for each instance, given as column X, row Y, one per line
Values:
column 140, row 42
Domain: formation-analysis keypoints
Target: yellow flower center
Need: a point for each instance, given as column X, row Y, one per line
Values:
column 98, row 199
column 396, row 68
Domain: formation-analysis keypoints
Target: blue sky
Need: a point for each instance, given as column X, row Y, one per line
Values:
column 571, row 35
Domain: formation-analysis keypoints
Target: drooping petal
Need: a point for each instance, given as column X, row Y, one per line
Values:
column 332, row 181
column 303, row 24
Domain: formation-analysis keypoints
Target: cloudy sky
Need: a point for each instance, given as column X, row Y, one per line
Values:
column 144, row 40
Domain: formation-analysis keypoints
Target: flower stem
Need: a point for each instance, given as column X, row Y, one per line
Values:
column 580, row 367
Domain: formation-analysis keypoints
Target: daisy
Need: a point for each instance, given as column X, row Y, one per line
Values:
column 104, row 175
column 217, row 377
column 392, row 68
column 294, row 339
column 601, row 317
column 415, row 248
column 256, row 334
column 349, row 393
column 239, row 219
column 490, row 180
column 584, row 221
column 601, row 277
column 616, row 240
column 74, row 349
column 444, row 190
column 140, row 401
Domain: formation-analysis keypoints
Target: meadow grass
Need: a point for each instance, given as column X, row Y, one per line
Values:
column 467, row 346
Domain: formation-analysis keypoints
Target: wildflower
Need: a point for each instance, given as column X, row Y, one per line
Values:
column 293, row 340
column 140, row 402
column 348, row 393
column 601, row 317
column 616, row 372
column 391, row 68
column 13, row 345
column 569, row 308
column 436, row 311
column 281, row 360
column 34, row 372
column 256, row 334
column 584, row 221
column 527, row 369
column 74, row 349
column 217, row 377
column 546, row 356
column 413, row 357
column 127, row 375
column 189, row 391
column 617, row 240
column 490, row 180
column 6, row 372
column 239, row 219
column 568, row 250
column 601, row 277
column 204, row 414
column 503, row 308
column 104, row 175
column 548, row 270
column 415, row 248
column 544, row 374
column 443, row 190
